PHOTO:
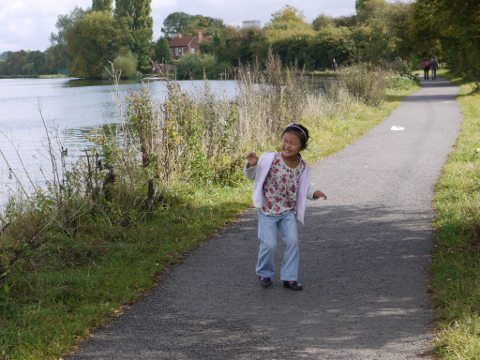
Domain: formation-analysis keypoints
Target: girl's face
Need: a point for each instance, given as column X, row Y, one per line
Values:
column 291, row 144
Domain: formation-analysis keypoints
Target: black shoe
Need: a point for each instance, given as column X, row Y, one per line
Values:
column 265, row 282
column 293, row 285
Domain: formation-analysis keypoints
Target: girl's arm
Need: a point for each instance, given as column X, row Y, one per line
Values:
column 251, row 167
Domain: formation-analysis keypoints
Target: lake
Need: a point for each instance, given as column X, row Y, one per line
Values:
column 72, row 107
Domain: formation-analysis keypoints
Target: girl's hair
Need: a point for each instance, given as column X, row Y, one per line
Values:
column 299, row 130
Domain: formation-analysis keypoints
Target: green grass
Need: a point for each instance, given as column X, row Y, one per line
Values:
column 455, row 270
column 45, row 311
column 55, row 305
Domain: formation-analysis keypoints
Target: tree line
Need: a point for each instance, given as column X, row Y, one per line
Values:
column 380, row 32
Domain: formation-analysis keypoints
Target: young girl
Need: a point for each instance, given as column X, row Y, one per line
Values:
column 280, row 191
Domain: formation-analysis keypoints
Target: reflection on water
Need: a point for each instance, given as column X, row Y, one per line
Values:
column 84, row 82
column 71, row 108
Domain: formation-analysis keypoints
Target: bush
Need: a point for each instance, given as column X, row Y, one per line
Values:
column 127, row 65
column 199, row 66
column 398, row 66
column 401, row 82
column 366, row 83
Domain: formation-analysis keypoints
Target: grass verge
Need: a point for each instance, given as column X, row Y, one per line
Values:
column 455, row 271
column 45, row 311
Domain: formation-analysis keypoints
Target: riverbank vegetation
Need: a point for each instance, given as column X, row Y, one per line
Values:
column 75, row 254
column 380, row 33
column 455, row 270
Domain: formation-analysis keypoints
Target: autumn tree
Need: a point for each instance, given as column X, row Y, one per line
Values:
column 92, row 41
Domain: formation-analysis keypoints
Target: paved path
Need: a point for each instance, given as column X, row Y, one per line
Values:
column 364, row 255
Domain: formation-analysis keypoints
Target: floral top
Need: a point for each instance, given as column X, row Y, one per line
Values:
column 280, row 186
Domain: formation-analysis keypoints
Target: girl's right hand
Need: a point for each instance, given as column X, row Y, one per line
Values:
column 252, row 159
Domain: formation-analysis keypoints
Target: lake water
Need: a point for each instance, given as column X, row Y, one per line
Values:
column 73, row 108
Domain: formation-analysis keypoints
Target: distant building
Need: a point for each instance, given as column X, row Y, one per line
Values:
column 251, row 24
column 181, row 45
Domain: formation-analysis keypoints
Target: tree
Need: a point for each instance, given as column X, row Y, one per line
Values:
column 197, row 66
column 322, row 21
column 331, row 43
column 102, row 5
column 181, row 23
column 346, row 21
column 143, row 33
column 57, row 55
column 359, row 5
column 24, row 63
column 293, row 51
column 252, row 46
column 92, row 41
column 234, row 46
column 63, row 23
column 56, row 58
column 137, row 15
column 365, row 8
column 124, row 8
column 163, row 54
column 224, row 45
column 288, row 14
column 287, row 23
column 379, row 31
column 456, row 26
column 175, row 23
column 205, row 24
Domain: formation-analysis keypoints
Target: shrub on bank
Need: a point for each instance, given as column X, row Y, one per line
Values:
column 365, row 82
column 401, row 81
column 200, row 66
column 127, row 65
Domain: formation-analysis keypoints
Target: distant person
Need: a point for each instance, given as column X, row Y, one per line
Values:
column 334, row 65
column 434, row 67
column 426, row 68
column 281, row 188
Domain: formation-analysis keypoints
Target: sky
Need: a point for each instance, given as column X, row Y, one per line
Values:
column 27, row 24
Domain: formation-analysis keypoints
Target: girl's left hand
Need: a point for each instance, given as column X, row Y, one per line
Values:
column 318, row 195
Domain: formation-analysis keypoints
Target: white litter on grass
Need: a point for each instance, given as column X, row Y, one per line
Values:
column 397, row 128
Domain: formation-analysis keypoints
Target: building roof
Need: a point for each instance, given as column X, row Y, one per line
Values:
column 183, row 41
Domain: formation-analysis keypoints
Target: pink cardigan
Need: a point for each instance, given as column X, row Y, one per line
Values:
column 259, row 174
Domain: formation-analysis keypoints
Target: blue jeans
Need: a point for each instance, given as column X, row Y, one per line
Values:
column 286, row 223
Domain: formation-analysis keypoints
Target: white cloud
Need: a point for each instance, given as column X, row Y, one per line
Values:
column 27, row 24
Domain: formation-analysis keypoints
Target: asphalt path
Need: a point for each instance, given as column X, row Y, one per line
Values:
column 365, row 254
